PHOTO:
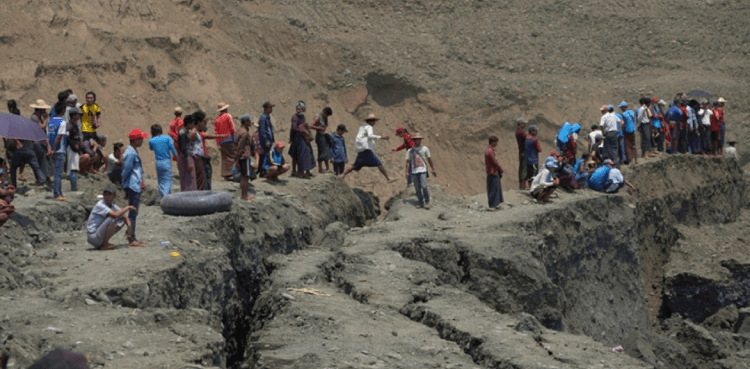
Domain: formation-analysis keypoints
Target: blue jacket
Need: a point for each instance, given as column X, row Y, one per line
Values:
column 265, row 132
column 132, row 170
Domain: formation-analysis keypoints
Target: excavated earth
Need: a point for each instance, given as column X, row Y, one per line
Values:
column 306, row 276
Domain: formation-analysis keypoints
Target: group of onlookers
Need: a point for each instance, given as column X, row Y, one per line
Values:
column 685, row 126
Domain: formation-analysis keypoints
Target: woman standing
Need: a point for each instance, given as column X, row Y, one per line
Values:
column 302, row 137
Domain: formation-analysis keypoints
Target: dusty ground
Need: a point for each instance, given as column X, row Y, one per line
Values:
column 532, row 286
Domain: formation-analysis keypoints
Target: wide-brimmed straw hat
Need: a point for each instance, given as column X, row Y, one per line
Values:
column 40, row 104
column 721, row 100
column 222, row 106
column 371, row 116
column 416, row 135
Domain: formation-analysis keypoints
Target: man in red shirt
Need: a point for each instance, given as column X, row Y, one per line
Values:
column 494, row 173
column 521, row 141
column 174, row 128
column 408, row 144
column 224, row 125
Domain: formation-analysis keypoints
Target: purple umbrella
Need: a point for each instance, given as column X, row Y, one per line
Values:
column 16, row 126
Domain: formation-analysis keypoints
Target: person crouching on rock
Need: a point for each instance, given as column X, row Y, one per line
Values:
column 275, row 164
column 615, row 180
column 365, row 145
column 544, row 184
column 416, row 167
column 106, row 219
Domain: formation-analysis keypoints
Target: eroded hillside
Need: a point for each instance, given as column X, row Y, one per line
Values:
column 456, row 70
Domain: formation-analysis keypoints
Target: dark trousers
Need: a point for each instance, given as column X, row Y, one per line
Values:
column 207, row 171
column 494, row 190
column 682, row 147
column 645, row 129
column 338, row 168
column 134, row 199
column 24, row 157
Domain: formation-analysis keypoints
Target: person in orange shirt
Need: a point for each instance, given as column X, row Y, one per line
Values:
column 224, row 125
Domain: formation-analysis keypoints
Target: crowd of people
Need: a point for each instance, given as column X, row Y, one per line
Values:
column 686, row 126
column 252, row 150
column 247, row 152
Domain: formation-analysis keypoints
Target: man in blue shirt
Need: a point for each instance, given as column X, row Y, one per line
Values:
column 132, row 179
column 164, row 151
column 628, row 133
column 265, row 132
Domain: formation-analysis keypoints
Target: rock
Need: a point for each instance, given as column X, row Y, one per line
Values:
column 90, row 302
column 128, row 301
column 287, row 296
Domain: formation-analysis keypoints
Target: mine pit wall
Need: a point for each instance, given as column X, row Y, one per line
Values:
column 228, row 285
column 693, row 191
column 602, row 251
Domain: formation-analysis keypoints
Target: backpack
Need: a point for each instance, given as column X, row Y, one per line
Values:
column 599, row 178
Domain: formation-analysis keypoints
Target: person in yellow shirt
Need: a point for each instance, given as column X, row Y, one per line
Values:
column 90, row 119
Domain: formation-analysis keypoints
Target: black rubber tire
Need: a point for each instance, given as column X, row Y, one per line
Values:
column 196, row 203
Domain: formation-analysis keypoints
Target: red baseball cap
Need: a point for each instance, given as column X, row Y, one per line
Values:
column 136, row 134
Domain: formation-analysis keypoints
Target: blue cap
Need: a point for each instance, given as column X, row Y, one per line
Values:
column 623, row 104
column 611, row 107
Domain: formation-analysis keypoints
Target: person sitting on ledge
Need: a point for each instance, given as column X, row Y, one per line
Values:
column 615, row 181
column 275, row 164
column 106, row 219
column 544, row 183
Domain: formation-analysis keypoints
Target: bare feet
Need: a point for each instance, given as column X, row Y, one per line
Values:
column 61, row 198
column 137, row 244
column 248, row 198
column 108, row 246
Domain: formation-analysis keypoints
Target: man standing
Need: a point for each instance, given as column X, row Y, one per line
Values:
column 693, row 123
column 175, row 126
column 628, row 130
column 417, row 169
column 643, row 116
column 265, row 132
column 224, row 125
column 74, row 146
column 608, row 123
column 132, row 179
column 521, row 142
column 365, row 146
column 719, row 111
column 247, row 157
column 320, row 125
column 494, row 173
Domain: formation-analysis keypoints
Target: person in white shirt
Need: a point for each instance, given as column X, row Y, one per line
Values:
column 731, row 151
column 106, row 219
column 704, row 128
column 365, row 146
column 544, row 184
column 609, row 127
column 416, row 159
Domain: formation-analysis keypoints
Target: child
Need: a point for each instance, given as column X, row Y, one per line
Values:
column 338, row 150
column 731, row 151
column 90, row 119
column 132, row 179
column 106, row 219
column 415, row 163
column 247, row 158
column 533, row 148
column 163, row 148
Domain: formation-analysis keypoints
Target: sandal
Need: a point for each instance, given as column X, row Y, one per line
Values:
column 248, row 198
column 137, row 244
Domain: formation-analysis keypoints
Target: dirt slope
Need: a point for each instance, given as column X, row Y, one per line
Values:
column 458, row 71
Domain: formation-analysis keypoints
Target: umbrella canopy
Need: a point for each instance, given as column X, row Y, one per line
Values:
column 61, row 359
column 699, row 93
column 18, row 127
